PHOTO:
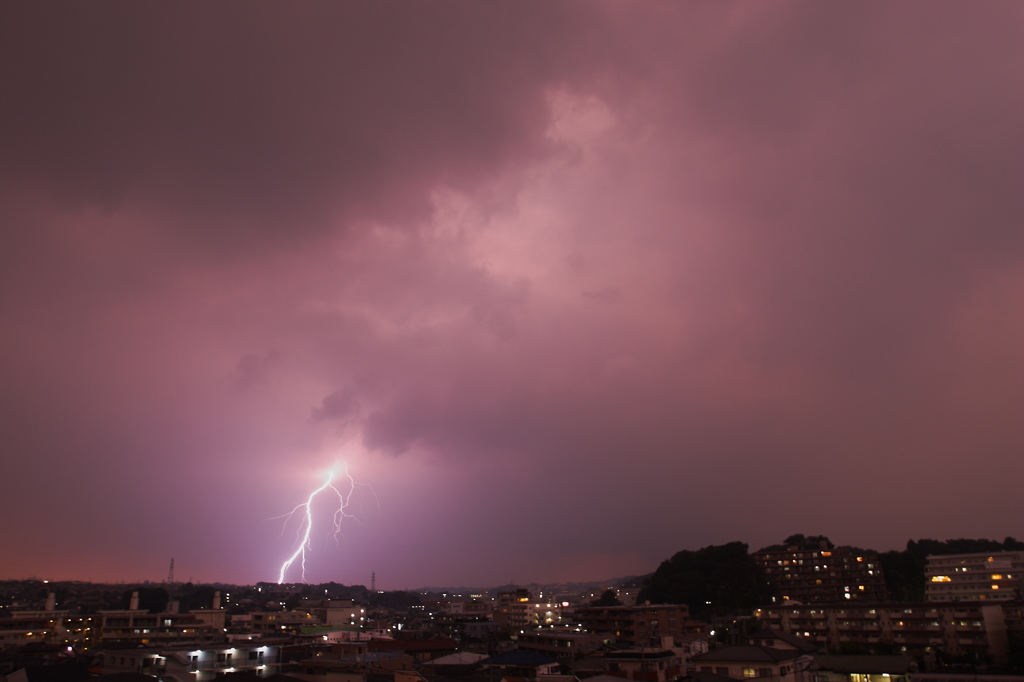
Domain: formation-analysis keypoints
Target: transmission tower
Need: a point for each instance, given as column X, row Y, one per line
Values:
column 170, row 573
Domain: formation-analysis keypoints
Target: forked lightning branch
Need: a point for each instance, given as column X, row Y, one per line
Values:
column 343, row 497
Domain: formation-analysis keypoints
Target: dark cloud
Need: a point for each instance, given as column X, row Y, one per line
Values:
column 637, row 264
column 237, row 119
column 339, row 406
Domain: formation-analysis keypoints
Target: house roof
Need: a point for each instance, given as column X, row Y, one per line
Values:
column 520, row 658
column 638, row 654
column 792, row 640
column 748, row 653
column 459, row 658
column 410, row 645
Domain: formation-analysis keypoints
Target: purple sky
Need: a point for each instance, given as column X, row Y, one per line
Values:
column 572, row 285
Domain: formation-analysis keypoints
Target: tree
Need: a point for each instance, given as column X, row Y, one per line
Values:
column 714, row 578
column 809, row 542
column 607, row 598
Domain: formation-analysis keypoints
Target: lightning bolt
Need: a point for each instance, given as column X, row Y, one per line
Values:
column 344, row 500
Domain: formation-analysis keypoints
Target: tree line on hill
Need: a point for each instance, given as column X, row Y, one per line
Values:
column 725, row 579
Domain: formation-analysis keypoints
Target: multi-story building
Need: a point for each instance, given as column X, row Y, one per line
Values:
column 565, row 647
column 47, row 626
column 187, row 664
column 339, row 612
column 640, row 625
column 822, row 574
column 270, row 623
column 546, row 614
column 515, row 610
column 134, row 626
column 975, row 577
column 950, row 629
column 468, row 608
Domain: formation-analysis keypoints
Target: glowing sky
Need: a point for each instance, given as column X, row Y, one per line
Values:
column 572, row 285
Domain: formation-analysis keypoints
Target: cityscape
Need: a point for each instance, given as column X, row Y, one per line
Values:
column 803, row 610
column 511, row 341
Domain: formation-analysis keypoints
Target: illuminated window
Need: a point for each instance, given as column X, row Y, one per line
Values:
column 749, row 672
column 997, row 576
column 941, row 579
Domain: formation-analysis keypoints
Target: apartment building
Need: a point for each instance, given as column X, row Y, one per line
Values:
column 640, row 625
column 188, row 664
column 515, row 610
column 822, row 574
column 948, row 629
column 139, row 627
column 565, row 647
column 975, row 577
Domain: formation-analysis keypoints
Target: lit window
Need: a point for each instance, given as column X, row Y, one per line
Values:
column 749, row 672
column 941, row 579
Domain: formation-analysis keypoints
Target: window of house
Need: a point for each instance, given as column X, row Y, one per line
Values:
column 722, row 670
column 749, row 672
column 764, row 672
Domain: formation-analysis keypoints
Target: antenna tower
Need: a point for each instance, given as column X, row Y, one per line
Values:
column 373, row 581
column 170, row 573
